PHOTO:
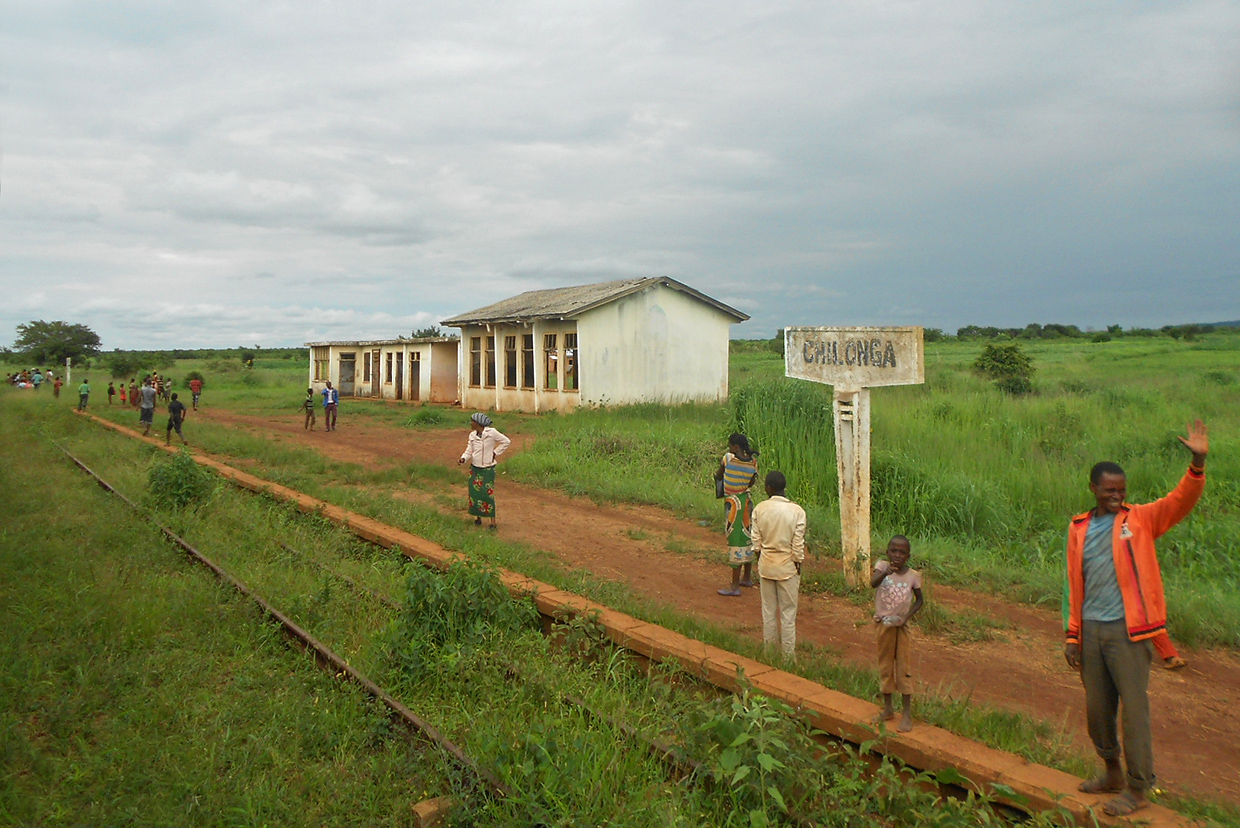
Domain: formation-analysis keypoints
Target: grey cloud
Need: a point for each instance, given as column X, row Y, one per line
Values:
column 954, row 162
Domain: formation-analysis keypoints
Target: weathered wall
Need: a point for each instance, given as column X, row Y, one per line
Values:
column 442, row 383
column 657, row 345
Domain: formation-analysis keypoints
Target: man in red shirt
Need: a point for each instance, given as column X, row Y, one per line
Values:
column 195, row 387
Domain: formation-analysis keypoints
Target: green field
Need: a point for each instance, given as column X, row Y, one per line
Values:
column 138, row 692
column 983, row 482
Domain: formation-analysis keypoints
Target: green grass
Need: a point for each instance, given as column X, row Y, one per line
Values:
column 136, row 691
column 533, row 744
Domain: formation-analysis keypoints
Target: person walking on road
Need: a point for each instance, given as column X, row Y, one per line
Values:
column 83, row 394
column 195, row 388
column 146, row 406
column 176, row 416
column 1113, row 606
column 331, row 399
column 482, row 451
column 779, row 540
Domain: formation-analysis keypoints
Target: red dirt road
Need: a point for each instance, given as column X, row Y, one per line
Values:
column 1196, row 717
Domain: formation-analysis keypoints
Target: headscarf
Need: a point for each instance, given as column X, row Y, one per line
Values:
column 481, row 419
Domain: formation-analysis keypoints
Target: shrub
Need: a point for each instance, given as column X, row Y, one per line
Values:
column 458, row 611
column 178, row 481
column 1009, row 366
column 125, row 363
column 195, row 375
column 1219, row 377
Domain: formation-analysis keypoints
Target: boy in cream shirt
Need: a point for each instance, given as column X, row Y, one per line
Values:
column 779, row 539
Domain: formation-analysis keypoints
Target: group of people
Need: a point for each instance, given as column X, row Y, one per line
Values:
column 1115, row 613
column 31, row 378
column 331, row 402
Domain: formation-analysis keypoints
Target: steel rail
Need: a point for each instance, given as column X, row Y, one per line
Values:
column 324, row 656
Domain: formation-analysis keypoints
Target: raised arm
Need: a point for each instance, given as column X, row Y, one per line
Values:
column 1198, row 442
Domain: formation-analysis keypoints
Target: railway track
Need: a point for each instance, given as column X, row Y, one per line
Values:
column 678, row 764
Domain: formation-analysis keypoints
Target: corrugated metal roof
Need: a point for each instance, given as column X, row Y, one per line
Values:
column 570, row 302
column 368, row 343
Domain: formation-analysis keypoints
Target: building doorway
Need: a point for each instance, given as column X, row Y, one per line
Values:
column 348, row 368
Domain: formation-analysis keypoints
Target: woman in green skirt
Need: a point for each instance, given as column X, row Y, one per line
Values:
column 738, row 470
column 482, row 451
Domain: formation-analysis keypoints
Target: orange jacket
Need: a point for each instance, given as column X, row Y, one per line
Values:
column 1136, row 561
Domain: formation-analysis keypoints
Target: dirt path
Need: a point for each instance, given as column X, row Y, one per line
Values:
column 1195, row 711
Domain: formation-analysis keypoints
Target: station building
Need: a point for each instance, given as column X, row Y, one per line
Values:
column 635, row 340
column 421, row 369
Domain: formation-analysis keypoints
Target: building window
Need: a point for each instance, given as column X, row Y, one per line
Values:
column 322, row 363
column 551, row 379
column 571, row 377
column 490, row 346
column 366, row 367
column 387, row 371
column 527, row 361
column 510, row 362
column 475, row 361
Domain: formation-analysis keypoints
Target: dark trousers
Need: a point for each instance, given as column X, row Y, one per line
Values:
column 1115, row 670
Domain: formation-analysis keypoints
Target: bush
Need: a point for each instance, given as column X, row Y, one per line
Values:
column 125, row 363
column 195, row 375
column 178, row 481
column 461, row 610
column 1009, row 366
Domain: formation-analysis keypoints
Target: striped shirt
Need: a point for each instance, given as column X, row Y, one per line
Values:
column 738, row 474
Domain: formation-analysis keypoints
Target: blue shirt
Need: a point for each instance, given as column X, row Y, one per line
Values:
column 330, row 396
column 1103, row 601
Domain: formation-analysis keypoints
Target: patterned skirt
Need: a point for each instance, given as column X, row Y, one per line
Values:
column 482, row 491
column 738, row 523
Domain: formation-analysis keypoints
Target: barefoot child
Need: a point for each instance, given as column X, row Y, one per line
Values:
column 898, row 598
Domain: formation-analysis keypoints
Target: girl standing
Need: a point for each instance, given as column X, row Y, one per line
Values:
column 738, row 470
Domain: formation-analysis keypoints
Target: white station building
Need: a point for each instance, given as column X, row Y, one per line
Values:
column 636, row 340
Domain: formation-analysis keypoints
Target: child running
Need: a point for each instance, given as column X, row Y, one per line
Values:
column 176, row 416
column 897, row 600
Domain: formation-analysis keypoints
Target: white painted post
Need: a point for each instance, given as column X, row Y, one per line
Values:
column 852, row 462
column 853, row 360
column 68, row 370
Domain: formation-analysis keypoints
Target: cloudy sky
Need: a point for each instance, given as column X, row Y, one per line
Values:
column 236, row 173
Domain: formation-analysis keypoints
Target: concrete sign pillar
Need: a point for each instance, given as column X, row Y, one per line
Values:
column 853, row 360
column 852, row 464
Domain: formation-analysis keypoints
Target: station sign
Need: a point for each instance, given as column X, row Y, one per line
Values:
column 856, row 357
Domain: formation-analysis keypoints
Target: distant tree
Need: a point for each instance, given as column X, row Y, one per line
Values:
column 1009, row 366
column 126, row 363
column 933, row 334
column 432, row 332
column 777, row 344
column 45, row 343
column 1115, row 330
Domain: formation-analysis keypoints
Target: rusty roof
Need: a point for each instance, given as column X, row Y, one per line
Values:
column 571, row 302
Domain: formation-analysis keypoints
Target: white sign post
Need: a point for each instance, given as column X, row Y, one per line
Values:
column 853, row 360
column 68, row 370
